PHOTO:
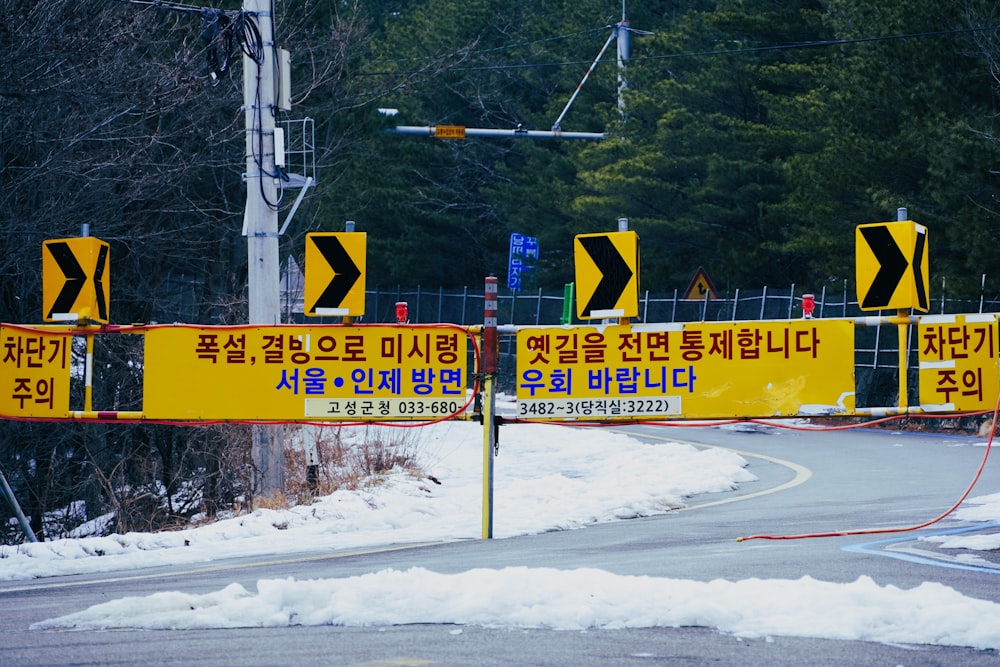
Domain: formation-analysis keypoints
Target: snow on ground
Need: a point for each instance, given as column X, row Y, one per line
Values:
column 983, row 508
column 546, row 478
column 571, row 600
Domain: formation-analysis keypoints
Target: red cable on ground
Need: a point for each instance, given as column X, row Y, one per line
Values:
column 879, row 531
column 840, row 533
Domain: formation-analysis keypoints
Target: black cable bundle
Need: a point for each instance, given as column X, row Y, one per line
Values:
column 221, row 30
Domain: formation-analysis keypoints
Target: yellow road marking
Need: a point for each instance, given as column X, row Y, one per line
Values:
column 223, row 567
column 802, row 473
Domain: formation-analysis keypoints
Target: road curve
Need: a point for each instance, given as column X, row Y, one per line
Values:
column 807, row 482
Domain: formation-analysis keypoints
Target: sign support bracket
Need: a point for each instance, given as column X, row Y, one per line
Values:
column 295, row 207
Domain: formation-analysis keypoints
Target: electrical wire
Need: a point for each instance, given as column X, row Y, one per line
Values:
column 219, row 38
column 505, row 47
column 822, row 43
column 839, row 533
column 223, row 31
column 249, row 37
column 241, row 28
column 791, row 46
column 903, row 529
column 171, row 6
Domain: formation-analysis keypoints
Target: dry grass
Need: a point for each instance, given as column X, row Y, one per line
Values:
column 348, row 458
column 276, row 501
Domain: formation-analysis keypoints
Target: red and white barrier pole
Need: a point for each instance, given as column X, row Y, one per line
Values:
column 490, row 355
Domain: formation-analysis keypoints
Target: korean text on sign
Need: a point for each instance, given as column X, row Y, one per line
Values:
column 35, row 370
column 958, row 357
column 522, row 257
column 719, row 369
column 270, row 371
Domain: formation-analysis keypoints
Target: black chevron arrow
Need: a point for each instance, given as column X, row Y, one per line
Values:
column 615, row 272
column 102, row 261
column 918, row 276
column 892, row 266
column 74, row 274
column 346, row 272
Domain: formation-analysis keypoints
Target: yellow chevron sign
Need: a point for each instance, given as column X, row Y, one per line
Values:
column 75, row 280
column 335, row 273
column 891, row 266
column 607, row 275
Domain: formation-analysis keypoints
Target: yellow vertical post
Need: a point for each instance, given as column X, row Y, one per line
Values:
column 902, row 326
column 489, row 446
column 88, row 386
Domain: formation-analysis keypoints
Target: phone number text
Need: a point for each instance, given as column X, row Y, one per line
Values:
column 599, row 408
column 381, row 408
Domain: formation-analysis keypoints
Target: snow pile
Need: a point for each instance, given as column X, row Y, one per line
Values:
column 546, row 478
column 983, row 508
column 571, row 600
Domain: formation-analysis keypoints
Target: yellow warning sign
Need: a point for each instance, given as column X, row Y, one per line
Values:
column 607, row 275
column 75, row 280
column 701, row 287
column 335, row 274
column 958, row 356
column 34, row 372
column 361, row 372
column 892, row 266
column 698, row 370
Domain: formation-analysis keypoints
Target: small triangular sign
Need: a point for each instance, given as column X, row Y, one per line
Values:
column 701, row 285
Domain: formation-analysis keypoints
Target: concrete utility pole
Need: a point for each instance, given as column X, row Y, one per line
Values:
column 621, row 34
column 623, row 31
column 261, row 213
column 261, row 219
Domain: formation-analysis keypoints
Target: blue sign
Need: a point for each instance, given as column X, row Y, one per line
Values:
column 523, row 256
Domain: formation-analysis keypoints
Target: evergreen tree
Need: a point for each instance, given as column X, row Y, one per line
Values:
column 903, row 112
column 698, row 165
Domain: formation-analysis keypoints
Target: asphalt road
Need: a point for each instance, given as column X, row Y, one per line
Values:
column 808, row 482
